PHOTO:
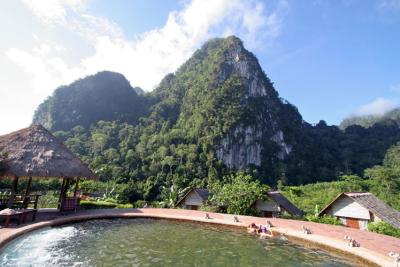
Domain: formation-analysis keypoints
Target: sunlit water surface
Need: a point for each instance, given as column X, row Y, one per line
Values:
column 147, row 242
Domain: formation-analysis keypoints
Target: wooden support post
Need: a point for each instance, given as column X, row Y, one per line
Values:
column 13, row 192
column 26, row 199
column 28, row 187
column 66, row 187
column 76, row 186
column 60, row 199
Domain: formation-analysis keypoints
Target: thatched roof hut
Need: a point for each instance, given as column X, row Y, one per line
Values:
column 35, row 152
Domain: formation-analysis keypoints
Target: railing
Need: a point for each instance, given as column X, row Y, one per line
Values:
column 19, row 201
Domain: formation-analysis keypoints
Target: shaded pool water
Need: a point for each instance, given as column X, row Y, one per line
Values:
column 147, row 242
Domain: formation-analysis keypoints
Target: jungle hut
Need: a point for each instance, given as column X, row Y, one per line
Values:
column 274, row 204
column 35, row 153
column 357, row 209
column 193, row 199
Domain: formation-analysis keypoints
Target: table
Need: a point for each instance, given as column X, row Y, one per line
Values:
column 20, row 215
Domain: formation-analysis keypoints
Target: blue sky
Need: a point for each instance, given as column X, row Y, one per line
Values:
column 330, row 58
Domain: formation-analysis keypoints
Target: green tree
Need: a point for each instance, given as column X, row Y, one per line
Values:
column 392, row 157
column 172, row 194
column 237, row 192
column 385, row 184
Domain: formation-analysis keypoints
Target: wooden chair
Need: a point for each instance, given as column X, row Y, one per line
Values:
column 69, row 204
column 27, row 212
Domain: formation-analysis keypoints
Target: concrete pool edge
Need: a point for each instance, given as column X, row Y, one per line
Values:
column 289, row 228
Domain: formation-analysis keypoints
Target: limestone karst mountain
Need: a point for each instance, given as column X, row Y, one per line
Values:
column 218, row 112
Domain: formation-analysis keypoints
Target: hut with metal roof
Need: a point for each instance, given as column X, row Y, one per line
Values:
column 357, row 209
column 193, row 199
column 275, row 204
column 34, row 152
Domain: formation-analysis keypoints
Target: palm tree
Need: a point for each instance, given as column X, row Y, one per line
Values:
column 171, row 195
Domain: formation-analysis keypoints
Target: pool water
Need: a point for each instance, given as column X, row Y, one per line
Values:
column 148, row 242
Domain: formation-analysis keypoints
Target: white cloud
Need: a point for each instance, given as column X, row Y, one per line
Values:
column 46, row 69
column 151, row 55
column 54, row 11
column 378, row 106
column 85, row 44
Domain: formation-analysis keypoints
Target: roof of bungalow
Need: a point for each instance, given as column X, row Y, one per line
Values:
column 202, row 192
column 373, row 204
column 285, row 203
column 35, row 152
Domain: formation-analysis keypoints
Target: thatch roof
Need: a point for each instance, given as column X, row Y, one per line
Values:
column 373, row 204
column 285, row 203
column 35, row 152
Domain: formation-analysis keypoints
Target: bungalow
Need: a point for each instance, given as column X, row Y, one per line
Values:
column 275, row 205
column 355, row 210
column 193, row 199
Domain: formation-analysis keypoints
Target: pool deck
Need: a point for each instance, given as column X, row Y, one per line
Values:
column 374, row 248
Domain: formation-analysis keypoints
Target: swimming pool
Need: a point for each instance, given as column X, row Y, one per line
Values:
column 150, row 242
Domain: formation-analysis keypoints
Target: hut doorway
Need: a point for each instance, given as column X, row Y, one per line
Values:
column 352, row 223
column 267, row 214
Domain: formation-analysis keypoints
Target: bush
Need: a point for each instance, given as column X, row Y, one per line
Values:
column 85, row 204
column 124, row 206
column 384, row 228
column 128, row 193
column 210, row 208
column 291, row 217
column 139, row 204
column 90, row 186
column 326, row 219
column 49, row 200
column 151, row 204
column 109, row 200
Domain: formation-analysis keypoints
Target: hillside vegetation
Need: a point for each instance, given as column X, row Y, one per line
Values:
column 383, row 181
column 217, row 114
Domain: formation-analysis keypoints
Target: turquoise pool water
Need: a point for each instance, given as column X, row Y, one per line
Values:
column 147, row 242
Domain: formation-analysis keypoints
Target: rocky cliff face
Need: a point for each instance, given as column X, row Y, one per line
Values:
column 241, row 148
column 219, row 101
column 218, row 111
column 244, row 144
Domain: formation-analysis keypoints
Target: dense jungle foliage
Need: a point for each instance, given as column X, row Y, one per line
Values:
column 381, row 180
column 148, row 144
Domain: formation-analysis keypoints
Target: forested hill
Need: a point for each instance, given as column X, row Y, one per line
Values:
column 391, row 117
column 104, row 96
column 221, row 101
column 218, row 113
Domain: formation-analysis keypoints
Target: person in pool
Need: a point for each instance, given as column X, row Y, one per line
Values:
column 252, row 228
column 265, row 231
